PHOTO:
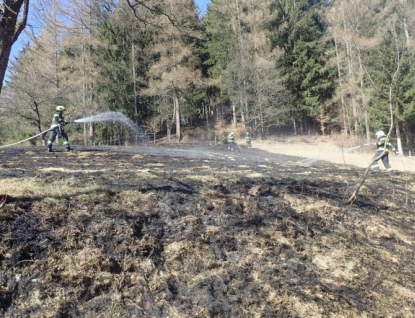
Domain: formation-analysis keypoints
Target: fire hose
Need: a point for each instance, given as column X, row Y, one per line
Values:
column 39, row 134
column 27, row 139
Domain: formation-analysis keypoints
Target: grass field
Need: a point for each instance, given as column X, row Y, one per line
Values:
column 192, row 230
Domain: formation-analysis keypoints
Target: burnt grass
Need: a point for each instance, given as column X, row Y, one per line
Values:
column 195, row 231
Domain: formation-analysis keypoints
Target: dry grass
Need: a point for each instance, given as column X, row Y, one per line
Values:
column 126, row 235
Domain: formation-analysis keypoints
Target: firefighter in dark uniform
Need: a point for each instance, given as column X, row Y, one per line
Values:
column 248, row 140
column 383, row 147
column 56, row 129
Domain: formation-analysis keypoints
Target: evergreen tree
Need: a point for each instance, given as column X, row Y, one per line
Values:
column 122, row 35
column 392, row 72
column 239, row 59
column 299, row 30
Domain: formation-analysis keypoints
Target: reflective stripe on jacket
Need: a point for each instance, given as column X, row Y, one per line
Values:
column 57, row 119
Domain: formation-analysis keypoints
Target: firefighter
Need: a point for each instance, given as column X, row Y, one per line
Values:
column 56, row 129
column 231, row 140
column 383, row 147
column 248, row 140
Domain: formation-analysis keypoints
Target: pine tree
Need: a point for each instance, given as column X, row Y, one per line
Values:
column 299, row 30
column 241, row 63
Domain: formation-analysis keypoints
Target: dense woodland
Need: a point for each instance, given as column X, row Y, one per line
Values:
column 274, row 66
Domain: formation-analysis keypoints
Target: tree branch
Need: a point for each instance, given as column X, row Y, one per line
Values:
column 22, row 23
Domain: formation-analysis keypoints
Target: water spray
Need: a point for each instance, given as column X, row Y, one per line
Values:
column 357, row 147
column 113, row 116
column 108, row 116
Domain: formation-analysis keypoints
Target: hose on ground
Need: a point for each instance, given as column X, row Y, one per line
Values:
column 27, row 139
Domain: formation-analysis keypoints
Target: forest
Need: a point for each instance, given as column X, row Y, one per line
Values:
column 266, row 66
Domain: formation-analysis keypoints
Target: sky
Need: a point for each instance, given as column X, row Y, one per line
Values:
column 201, row 4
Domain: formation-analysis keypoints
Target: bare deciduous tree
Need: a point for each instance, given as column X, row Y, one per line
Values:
column 154, row 125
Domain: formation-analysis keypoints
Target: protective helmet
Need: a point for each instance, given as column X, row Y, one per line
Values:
column 60, row 108
column 247, row 133
column 380, row 133
column 231, row 134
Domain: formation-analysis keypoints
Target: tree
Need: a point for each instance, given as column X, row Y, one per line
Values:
column 154, row 125
column 124, row 62
column 355, row 28
column 35, row 76
column 241, row 63
column 299, row 30
column 81, row 56
column 13, row 18
column 391, row 69
column 30, row 86
column 174, row 73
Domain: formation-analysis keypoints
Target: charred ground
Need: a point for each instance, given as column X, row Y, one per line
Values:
column 195, row 231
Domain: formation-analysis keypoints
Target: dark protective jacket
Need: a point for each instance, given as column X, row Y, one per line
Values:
column 383, row 144
column 57, row 119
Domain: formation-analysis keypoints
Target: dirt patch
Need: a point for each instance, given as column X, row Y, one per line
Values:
column 195, row 231
column 349, row 153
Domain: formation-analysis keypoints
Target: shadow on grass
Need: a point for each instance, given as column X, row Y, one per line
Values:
column 278, row 244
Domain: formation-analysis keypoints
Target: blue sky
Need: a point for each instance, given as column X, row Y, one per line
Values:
column 202, row 5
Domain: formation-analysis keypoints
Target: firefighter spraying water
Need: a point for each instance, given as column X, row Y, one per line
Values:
column 57, row 128
column 58, row 123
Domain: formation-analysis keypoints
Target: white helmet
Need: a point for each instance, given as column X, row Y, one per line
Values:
column 380, row 133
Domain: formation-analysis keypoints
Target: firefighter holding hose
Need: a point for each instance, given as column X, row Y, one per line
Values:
column 383, row 147
column 56, row 129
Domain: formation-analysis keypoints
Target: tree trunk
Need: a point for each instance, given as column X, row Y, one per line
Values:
column 56, row 50
column 92, row 133
column 352, row 86
column 408, row 138
column 294, row 127
column 133, row 69
column 344, row 113
column 10, row 28
column 243, row 120
column 398, row 139
column 178, row 117
column 233, row 115
column 365, row 109
column 168, row 127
